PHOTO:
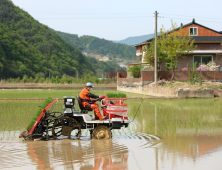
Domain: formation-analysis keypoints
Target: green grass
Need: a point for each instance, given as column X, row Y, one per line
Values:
column 115, row 95
column 53, row 93
column 38, row 112
column 173, row 117
column 16, row 115
column 178, row 117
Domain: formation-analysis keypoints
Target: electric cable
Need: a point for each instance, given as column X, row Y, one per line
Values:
column 190, row 16
column 189, row 19
column 137, row 109
column 100, row 18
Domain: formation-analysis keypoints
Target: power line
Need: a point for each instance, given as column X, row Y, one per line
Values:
column 100, row 18
column 190, row 16
column 87, row 13
column 189, row 19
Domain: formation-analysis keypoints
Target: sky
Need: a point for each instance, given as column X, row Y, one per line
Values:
column 120, row 19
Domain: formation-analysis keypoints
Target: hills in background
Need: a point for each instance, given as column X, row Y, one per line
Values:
column 100, row 46
column 28, row 47
column 135, row 40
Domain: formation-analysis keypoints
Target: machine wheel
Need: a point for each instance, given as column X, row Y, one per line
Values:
column 101, row 132
column 64, row 126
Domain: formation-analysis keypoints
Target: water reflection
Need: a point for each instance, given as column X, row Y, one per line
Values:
column 89, row 154
column 190, row 133
column 190, row 130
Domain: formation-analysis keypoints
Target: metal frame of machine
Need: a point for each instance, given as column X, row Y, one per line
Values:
column 51, row 125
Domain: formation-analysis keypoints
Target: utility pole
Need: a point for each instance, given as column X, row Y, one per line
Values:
column 155, row 69
column 77, row 75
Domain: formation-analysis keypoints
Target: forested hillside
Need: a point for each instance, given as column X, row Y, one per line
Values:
column 28, row 47
column 100, row 46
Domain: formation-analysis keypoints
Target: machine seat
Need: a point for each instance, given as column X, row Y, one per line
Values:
column 83, row 109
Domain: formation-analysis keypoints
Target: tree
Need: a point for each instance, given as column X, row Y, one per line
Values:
column 24, row 80
column 135, row 70
column 149, row 53
column 174, row 44
column 52, row 79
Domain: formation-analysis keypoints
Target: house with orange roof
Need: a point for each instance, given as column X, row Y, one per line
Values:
column 207, row 40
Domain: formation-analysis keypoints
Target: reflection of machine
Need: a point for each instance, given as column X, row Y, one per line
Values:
column 56, row 124
column 79, row 154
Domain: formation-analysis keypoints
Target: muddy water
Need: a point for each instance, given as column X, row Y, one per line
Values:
column 166, row 134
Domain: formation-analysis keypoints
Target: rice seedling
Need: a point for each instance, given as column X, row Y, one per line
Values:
column 39, row 111
column 158, row 117
column 174, row 117
column 115, row 95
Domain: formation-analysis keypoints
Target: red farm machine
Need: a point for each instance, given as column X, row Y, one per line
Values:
column 59, row 125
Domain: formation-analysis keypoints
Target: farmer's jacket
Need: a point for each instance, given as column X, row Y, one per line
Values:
column 85, row 97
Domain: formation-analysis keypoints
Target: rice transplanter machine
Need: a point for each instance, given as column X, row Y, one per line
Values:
column 58, row 125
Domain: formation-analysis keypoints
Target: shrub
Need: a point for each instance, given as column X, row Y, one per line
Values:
column 24, row 80
column 69, row 80
column 52, row 79
column 47, row 80
column 40, row 75
column 30, row 79
column 135, row 71
column 63, row 79
column 57, row 80
column 9, row 80
column 36, row 80
column 97, row 80
column 41, row 80
column 17, row 80
column 102, row 80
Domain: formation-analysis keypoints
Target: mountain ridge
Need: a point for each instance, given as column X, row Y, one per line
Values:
column 135, row 39
column 100, row 45
column 29, row 48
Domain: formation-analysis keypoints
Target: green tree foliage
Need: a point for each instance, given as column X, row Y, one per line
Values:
column 135, row 70
column 36, row 80
column 30, row 79
column 41, row 80
column 24, row 80
column 149, row 53
column 57, row 81
column 47, row 80
column 100, row 46
column 52, row 79
column 174, row 44
column 28, row 47
column 103, row 66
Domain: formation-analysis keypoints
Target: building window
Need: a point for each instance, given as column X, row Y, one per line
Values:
column 193, row 31
column 205, row 59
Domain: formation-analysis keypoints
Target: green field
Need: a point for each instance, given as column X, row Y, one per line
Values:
column 10, row 94
column 172, row 117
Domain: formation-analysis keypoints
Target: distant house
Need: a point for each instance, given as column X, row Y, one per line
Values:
column 208, row 43
column 122, row 65
column 104, row 59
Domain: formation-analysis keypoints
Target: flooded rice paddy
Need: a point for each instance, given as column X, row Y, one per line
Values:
column 166, row 134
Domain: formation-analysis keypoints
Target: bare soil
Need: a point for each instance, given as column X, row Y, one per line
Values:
column 216, row 86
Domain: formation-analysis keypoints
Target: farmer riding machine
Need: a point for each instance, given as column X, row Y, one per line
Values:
column 60, row 125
